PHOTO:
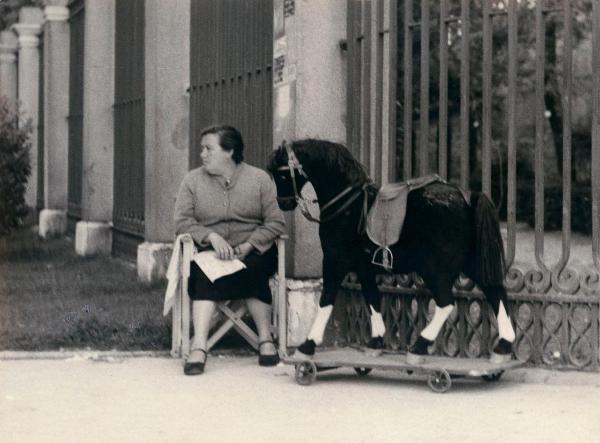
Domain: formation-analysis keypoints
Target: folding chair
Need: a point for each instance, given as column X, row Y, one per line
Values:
column 233, row 312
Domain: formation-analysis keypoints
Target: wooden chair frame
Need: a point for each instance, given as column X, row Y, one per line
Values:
column 233, row 311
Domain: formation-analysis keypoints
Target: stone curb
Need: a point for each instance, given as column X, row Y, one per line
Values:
column 552, row 377
column 82, row 354
column 519, row 375
column 89, row 354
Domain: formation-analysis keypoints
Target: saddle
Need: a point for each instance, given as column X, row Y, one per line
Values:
column 386, row 217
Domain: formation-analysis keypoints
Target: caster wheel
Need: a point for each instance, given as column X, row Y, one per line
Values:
column 363, row 371
column 439, row 381
column 306, row 373
column 493, row 377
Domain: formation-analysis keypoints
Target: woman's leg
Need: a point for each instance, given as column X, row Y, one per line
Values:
column 261, row 314
column 202, row 312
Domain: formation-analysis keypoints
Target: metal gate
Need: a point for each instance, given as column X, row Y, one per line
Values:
column 129, row 182
column 40, row 134
column 466, row 128
column 231, row 75
column 75, row 118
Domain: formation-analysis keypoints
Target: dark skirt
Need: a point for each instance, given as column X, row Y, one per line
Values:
column 252, row 282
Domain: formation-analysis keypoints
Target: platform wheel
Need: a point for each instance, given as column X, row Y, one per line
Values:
column 306, row 373
column 493, row 377
column 363, row 371
column 439, row 381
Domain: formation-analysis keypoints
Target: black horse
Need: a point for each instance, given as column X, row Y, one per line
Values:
column 443, row 235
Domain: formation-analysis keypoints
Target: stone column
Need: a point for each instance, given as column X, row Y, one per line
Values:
column 167, row 120
column 28, row 29
column 309, row 74
column 93, row 234
column 53, row 218
column 8, row 67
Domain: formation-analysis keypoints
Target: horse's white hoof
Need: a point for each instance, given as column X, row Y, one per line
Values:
column 414, row 359
column 499, row 359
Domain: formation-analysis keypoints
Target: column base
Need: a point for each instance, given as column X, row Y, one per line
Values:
column 153, row 261
column 92, row 238
column 303, row 301
column 52, row 223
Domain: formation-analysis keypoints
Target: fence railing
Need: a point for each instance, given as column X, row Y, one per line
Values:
column 485, row 92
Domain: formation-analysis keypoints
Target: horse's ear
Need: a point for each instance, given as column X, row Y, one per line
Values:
column 282, row 146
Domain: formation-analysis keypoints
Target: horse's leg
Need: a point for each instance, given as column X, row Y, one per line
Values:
column 332, row 279
column 366, row 275
column 496, row 296
column 441, row 287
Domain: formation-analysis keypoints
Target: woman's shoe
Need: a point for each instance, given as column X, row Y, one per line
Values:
column 267, row 360
column 197, row 367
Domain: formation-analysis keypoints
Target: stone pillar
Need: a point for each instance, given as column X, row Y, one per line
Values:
column 93, row 234
column 28, row 30
column 309, row 73
column 8, row 67
column 53, row 218
column 167, row 119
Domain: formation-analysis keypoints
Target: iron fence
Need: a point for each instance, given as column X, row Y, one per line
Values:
column 371, row 117
column 454, row 126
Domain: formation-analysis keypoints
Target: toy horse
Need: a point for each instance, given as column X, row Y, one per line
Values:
column 445, row 231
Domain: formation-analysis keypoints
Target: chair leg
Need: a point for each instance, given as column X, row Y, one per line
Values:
column 176, row 327
column 234, row 320
column 281, row 296
column 185, row 324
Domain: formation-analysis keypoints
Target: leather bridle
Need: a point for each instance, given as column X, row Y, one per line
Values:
column 353, row 192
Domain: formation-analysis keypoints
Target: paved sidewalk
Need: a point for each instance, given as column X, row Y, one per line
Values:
column 105, row 397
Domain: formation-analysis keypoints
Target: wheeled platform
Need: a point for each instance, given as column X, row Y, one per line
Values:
column 439, row 370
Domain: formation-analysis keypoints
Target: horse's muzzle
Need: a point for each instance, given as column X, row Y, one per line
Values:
column 287, row 203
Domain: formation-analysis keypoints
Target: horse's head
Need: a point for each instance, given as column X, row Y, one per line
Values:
column 289, row 176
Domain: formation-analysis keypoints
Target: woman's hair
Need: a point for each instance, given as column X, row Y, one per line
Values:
column 230, row 139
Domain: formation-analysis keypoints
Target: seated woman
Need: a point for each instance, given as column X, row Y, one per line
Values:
column 230, row 207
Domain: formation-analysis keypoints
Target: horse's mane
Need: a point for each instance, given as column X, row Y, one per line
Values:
column 334, row 157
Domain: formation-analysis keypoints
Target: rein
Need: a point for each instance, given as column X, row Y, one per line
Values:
column 295, row 165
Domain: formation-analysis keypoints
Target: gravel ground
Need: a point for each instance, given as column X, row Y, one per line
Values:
column 106, row 397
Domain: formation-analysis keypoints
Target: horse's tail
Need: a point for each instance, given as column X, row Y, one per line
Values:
column 489, row 248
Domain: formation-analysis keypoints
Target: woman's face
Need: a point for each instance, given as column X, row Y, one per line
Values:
column 215, row 159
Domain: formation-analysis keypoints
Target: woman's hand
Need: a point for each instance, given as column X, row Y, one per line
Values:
column 242, row 250
column 223, row 249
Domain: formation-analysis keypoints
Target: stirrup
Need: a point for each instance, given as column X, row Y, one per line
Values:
column 387, row 258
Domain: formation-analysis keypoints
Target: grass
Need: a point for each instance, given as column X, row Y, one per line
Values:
column 51, row 299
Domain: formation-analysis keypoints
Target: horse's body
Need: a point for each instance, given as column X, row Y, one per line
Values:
column 442, row 236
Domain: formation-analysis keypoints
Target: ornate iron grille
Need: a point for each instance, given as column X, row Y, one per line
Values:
column 129, row 182
column 554, row 300
column 231, row 74
column 75, row 118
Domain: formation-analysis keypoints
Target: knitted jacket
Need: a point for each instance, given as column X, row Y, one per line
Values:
column 243, row 209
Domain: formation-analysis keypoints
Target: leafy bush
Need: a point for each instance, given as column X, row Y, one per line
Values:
column 15, row 169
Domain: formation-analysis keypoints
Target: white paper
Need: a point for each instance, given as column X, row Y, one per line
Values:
column 215, row 268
